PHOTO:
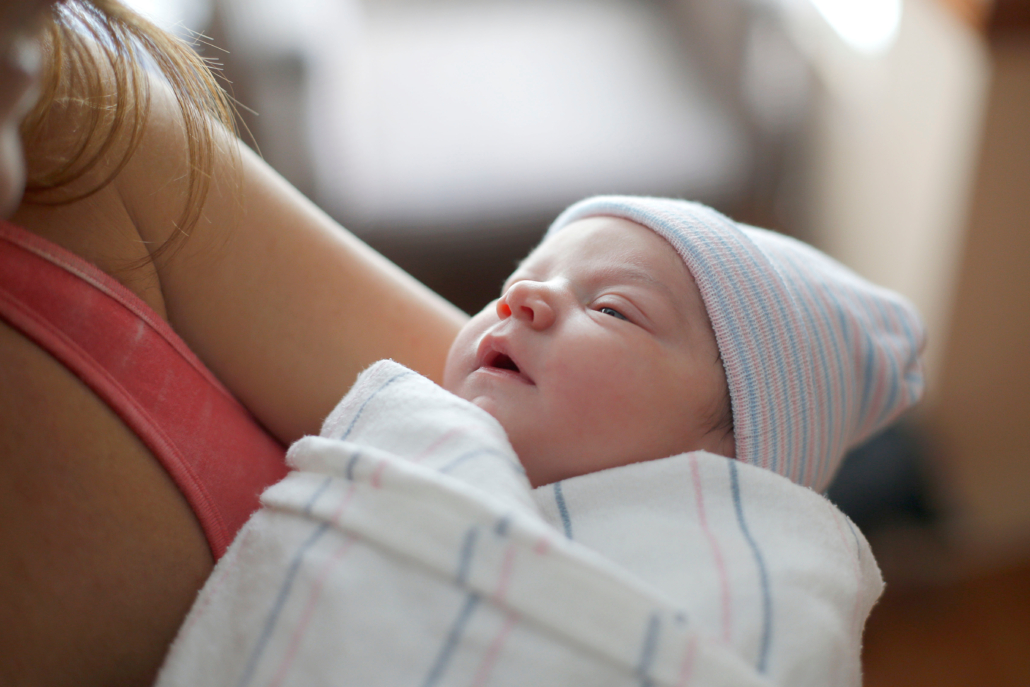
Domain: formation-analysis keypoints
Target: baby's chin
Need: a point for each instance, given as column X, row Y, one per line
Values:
column 544, row 461
column 492, row 408
column 490, row 405
column 480, row 401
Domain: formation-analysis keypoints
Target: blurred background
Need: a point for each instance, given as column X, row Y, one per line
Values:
column 893, row 134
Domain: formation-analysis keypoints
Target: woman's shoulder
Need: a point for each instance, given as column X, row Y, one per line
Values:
column 90, row 170
column 278, row 300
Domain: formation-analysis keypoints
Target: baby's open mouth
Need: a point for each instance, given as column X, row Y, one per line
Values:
column 502, row 361
column 497, row 361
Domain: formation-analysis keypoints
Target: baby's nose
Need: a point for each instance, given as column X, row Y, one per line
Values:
column 528, row 302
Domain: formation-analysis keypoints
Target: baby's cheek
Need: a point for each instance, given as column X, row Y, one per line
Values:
column 603, row 384
column 449, row 381
column 486, row 403
column 461, row 358
column 458, row 365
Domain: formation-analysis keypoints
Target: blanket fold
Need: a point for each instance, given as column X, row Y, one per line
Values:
column 407, row 548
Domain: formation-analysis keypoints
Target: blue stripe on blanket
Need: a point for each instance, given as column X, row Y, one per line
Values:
column 516, row 466
column 350, row 465
column 559, row 499
column 763, row 652
column 465, row 560
column 470, row 455
column 314, row 497
column 368, row 400
column 277, row 606
column 647, row 650
column 451, row 643
column 854, row 535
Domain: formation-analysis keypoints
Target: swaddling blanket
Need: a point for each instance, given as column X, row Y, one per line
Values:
column 765, row 566
column 407, row 549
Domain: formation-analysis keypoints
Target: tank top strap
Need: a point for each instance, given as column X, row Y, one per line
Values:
column 215, row 451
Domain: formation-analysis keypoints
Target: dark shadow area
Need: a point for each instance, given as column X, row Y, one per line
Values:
column 886, row 481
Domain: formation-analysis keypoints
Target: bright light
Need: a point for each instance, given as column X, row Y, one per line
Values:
column 177, row 16
column 868, row 26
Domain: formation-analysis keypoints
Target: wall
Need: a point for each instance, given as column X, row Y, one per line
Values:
column 981, row 415
column 893, row 151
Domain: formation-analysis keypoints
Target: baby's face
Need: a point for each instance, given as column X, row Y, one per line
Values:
column 598, row 353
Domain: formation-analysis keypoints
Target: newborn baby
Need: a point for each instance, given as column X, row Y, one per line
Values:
column 643, row 343
column 598, row 353
column 678, row 388
column 643, row 328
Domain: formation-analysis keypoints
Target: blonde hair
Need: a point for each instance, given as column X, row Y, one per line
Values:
column 97, row 55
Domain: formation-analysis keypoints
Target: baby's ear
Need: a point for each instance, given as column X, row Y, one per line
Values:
column 724, row 442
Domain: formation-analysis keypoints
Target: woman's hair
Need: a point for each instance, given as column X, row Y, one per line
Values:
column 97, row 57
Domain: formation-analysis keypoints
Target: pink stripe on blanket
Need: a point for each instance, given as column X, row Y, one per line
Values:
column 720, row 562
column 309, row 611
column 432, row 448
column 483, row 674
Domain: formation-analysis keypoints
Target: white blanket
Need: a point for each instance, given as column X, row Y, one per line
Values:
column 764, row 566
column 407, row 549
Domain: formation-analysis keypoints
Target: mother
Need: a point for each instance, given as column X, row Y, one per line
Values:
column 104, row 548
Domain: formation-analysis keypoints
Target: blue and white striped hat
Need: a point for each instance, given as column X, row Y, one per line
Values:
column 817, row 358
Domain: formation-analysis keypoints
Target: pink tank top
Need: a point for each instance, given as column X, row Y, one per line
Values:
column 216, row 452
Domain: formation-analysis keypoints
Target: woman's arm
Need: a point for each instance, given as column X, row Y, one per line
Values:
column 283, row 304
column 103, row 553
column 287, row 307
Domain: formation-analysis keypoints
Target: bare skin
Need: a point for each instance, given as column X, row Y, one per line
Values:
column 102, row 555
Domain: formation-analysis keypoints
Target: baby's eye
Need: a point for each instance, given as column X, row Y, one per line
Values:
column 613, row 312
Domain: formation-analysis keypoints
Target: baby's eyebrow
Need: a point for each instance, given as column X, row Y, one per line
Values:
column 637, row 274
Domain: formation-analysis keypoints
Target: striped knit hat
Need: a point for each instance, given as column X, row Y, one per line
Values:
column 817, row 359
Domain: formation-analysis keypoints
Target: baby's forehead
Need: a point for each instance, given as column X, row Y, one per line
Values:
column 613, row 240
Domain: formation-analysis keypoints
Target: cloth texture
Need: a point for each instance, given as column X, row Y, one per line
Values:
column 817, row 358
column 408, row 549
column 771, row 569
column 217, row 454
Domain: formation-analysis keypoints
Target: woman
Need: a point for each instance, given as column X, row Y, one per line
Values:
column 104, row 552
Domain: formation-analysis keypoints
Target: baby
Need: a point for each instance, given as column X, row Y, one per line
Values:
column 653, row 365
column 643, row 328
